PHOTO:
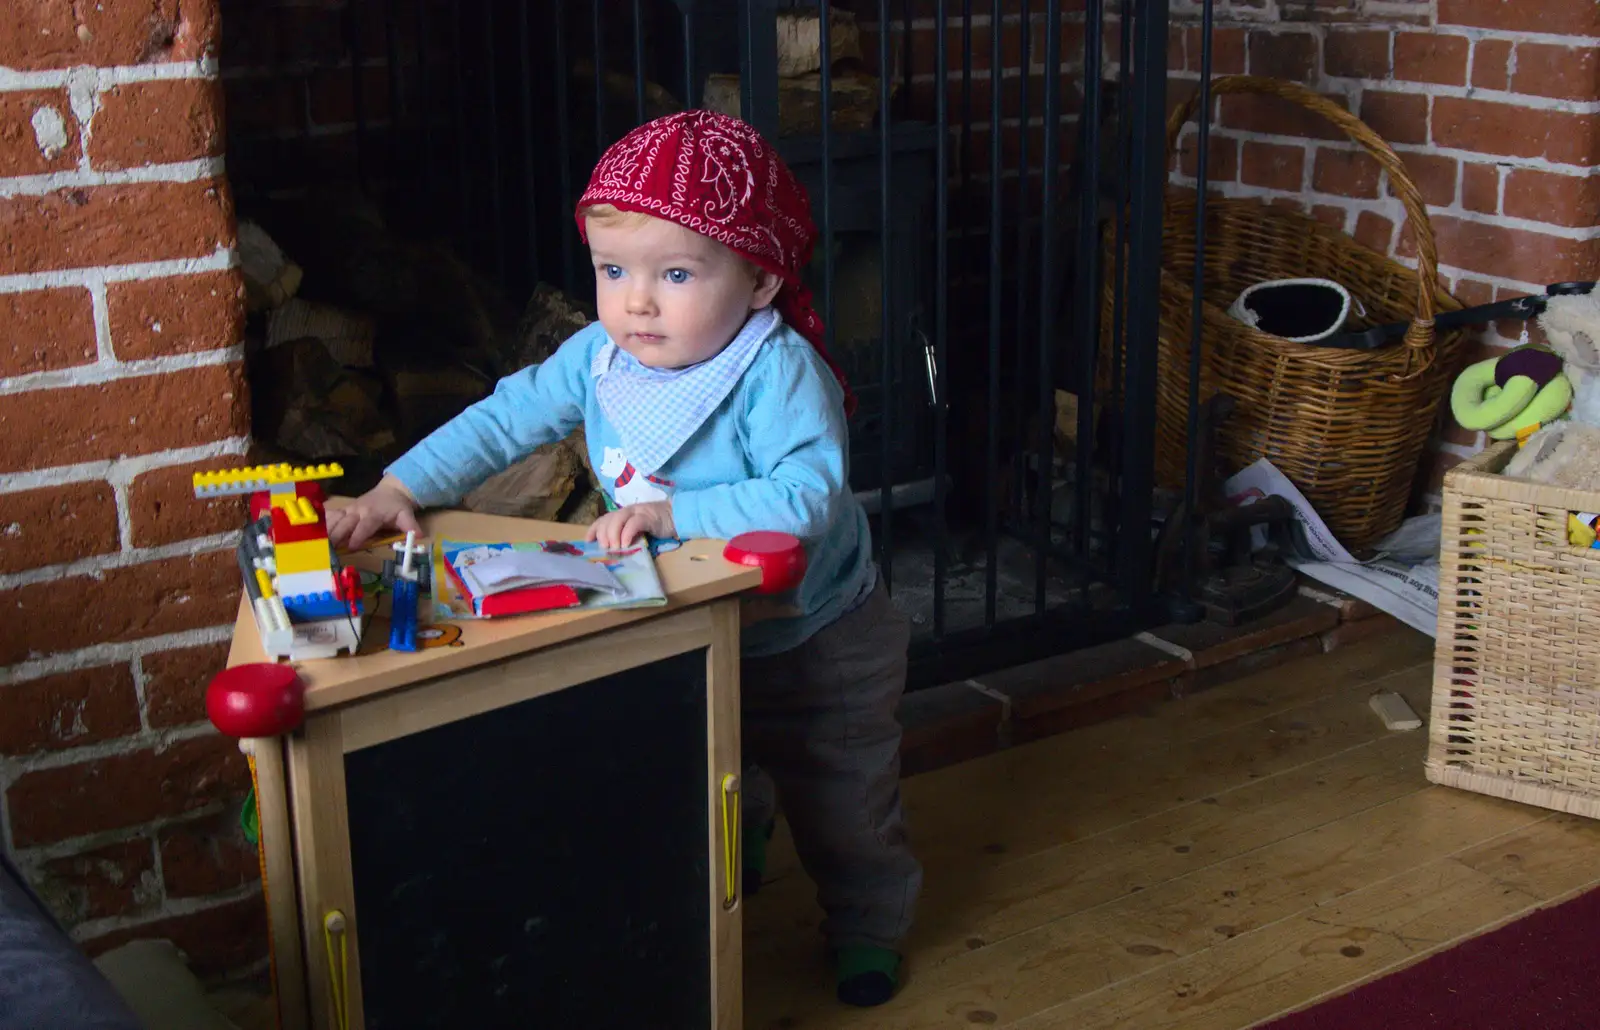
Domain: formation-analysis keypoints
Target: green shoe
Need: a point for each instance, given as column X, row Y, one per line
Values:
column 866, row 976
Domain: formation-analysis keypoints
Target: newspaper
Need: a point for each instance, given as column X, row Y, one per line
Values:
column 1402, row 580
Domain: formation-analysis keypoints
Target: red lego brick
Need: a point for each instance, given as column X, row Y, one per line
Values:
column 286, row 532
column 313, row 491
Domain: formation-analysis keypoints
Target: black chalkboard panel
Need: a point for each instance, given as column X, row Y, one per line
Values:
column 540, row 866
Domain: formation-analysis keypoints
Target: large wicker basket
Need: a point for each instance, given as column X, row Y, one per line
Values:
column 1516, row 682
column 1347, row 427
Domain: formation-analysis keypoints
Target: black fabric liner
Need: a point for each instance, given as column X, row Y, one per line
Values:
column 1296, row 310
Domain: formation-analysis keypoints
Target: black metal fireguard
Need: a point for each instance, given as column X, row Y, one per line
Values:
column 960, row 268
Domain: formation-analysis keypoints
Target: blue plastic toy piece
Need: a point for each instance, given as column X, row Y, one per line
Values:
column 302, row 607
column 403, row 616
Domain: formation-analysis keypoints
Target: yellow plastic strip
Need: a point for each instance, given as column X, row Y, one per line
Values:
column 264, row 581
column 730, row 837
column 333, row 925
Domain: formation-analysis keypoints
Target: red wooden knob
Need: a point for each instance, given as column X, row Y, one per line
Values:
column 779, row 556
column 256, row 700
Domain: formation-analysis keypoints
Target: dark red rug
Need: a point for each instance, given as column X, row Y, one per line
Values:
column 1539, row 972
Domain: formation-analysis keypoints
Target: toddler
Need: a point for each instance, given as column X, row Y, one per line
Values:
column 706, row 385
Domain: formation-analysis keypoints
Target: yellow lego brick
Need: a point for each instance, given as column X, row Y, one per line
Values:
column 301, row 512
column 303, row 556
column 264, row 581
column 260, row 477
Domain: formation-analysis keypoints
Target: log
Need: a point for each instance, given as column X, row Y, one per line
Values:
column 347, row 335
column 554, row 483
column 548, row 319
column 855, row 101
column 309, row 405
column 270, row 278
column 800, row 40
column 537, row 487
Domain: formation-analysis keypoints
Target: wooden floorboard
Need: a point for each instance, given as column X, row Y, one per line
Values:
column 1211, row 863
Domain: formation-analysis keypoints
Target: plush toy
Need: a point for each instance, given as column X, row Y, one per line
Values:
column 1513, row 395
column 1567, row 452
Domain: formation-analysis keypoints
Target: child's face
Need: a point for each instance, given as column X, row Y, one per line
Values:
column 669, row 296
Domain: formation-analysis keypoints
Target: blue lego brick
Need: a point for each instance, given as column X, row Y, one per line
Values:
column 304, row 607
column 403, row 616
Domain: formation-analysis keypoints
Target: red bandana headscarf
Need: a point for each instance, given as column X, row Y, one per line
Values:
column 715, row 175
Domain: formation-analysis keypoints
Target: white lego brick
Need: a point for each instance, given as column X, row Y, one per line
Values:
column 293, row 584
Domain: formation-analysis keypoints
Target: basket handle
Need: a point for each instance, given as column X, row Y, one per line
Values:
column 1420, row 334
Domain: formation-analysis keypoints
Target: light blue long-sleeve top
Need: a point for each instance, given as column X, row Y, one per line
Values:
column 774, row 456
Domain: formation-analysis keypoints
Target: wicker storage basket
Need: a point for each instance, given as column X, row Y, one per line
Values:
column 1346, row 426
column 1516, row 683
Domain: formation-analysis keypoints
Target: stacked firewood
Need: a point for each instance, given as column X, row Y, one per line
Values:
column 854, row 93
column 379, row 339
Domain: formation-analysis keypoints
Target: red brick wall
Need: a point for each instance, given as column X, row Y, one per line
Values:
column 1491, row 103
column 120, row 373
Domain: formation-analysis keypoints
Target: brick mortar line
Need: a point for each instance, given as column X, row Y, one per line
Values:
column 1353, row 207
column 1502, row 161
column 12, row 80
column 221, row 259
column 171, row 908
column 1323, row 30
column 124, row 506
column 158, row 868
column 1389, row 207
column 97, row 655
column 158, row 740
column 141, row 691
column 103, row 372
column 87, row 178
column 1381, row 204
column 35, row 855
column 100, row 308
column 1492, row 280
column 121, row 471
column 1504, row 98
column 1515, row 162
column 123, row 559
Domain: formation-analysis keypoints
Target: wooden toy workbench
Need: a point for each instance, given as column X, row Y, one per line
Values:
column 531, row 823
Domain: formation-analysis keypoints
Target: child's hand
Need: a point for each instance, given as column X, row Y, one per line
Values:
column 389, row 504
column 620, row 528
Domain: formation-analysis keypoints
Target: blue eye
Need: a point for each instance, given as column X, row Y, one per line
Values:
column 677, row 276
column 611, row 271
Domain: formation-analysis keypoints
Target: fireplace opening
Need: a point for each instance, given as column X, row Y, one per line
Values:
column 404, row 173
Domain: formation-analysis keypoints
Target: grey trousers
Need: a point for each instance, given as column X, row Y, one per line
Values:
column 819, row 725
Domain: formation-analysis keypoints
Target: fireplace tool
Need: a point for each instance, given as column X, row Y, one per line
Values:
column 1212, row 547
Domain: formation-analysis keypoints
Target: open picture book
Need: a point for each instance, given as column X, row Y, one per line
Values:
column 485, row 580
